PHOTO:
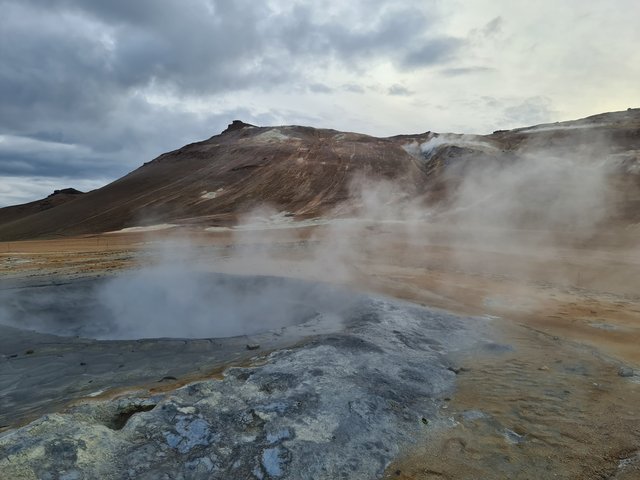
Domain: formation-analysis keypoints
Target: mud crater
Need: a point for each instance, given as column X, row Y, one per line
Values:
column 152, row 304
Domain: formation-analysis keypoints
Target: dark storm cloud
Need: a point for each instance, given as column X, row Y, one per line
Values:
column 493, row 27
column 70, row 50
column 22, row 156
column 71, row 63
column 320, row 88
column 78, row 73
column 353, row 88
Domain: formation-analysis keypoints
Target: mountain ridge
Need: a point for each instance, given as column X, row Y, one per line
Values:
column 309, row 171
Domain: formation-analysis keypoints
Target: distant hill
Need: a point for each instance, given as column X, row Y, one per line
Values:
column 25, row 210
column 308, row 171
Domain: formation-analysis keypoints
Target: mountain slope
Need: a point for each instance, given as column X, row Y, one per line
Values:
column 58, row 197
column 299, row 169
column 309, row 171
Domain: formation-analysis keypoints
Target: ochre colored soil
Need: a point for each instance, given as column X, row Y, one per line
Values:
column 571, row 314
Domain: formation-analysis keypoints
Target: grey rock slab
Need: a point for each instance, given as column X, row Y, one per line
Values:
column 625, row 372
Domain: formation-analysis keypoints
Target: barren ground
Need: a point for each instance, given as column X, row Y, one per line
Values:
column 554, row 407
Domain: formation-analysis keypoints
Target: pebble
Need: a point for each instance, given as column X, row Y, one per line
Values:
column 625, row 372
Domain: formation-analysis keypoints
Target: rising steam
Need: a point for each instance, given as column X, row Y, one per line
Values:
column 533, row 201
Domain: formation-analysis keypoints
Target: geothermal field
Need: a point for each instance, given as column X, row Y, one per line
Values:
column 291, row 302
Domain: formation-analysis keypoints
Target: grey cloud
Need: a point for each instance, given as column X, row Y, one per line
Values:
column 491, row 102
column 399, row 90
column 212, row 46
column 530, row 111
column 195, row 47
column 22, row 189
column 386, row 33
column 432, row 52
column 21, row 155
column 456, row 71
column 137, row 132
column 184, row 49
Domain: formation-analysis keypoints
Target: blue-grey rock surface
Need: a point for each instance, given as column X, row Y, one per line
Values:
column 336, row 405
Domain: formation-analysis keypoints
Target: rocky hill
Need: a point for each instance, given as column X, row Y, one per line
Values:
column 58, row 197
column 308, row 172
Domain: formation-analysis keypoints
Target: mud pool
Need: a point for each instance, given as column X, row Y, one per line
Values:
column 161, row 303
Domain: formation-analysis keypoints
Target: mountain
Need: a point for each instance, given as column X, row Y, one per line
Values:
column 303, row 170
column 308, row 172
column 25, row 210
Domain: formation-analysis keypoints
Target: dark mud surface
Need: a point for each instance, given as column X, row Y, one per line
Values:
column 167, row 302
column 343, row 385
column 342, row 392
column 51, row 360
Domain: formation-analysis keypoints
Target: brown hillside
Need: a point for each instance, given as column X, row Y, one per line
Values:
column 307, row 172
column 302, row 170
column 58, row 197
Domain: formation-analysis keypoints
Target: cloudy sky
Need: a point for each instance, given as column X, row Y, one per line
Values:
column 91, row 89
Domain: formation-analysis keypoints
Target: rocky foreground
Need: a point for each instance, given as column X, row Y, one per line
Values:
column 336, row 405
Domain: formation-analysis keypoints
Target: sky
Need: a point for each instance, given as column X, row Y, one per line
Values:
column 90, row 90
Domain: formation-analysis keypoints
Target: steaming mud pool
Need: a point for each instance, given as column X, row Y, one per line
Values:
column 318, row 382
